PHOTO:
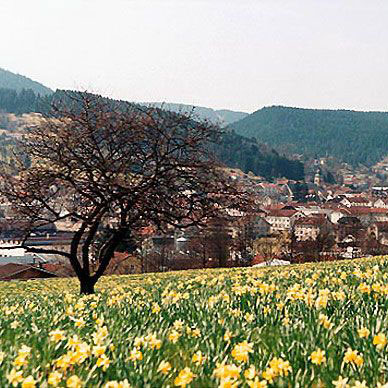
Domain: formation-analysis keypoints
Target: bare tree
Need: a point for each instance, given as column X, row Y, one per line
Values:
column 244, row 238
column 271, row 247
column 219, row 240
column 199, row 245
column 324, row 241
column 115, row 169
column 211, row 244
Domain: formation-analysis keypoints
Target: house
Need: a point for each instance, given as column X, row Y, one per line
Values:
column 306, row 208
column 356, row 201
column 308, row 228
column 381, row 203
column 369, row 215
column 60, row 241
column 350, row 230
column 281, row 220
column 335, row 213
column 13, row 271
column 379, row 232
column 12, row 252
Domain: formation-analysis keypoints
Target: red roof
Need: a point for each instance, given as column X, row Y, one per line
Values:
column 336, row 207
column 343, row 189
column 10, row 268
column 259, row 259
column 274, row 206
column 120, row 255
column 281, row 213
column 361, row 210
column 51, row 267
column 23, row 271
column 358, row 200
column 311, row 221
column 147, row 231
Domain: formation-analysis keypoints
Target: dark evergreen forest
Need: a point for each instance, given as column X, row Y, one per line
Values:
column 349, row 136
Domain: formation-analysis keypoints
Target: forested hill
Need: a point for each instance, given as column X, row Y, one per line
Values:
column 19, row 82
column 234, row 150
column 248, row 155
column 350, row 136
column 20, row 87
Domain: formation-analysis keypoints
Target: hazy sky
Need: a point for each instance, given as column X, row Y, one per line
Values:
column 236, row 54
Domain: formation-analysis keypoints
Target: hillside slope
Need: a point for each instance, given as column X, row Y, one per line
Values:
column 237, row 151
column 350, row 136
column 201, row 328
column 222, row 116
column 234, row 150
column 17, row 82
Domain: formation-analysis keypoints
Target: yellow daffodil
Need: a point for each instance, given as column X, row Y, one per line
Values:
column 341, row 382
column 103, row 362
column 164, row 367
column 223, row 371
column 15, row 377
column 73, row 382
column 198, row 358
column 250, row 373
column 241, row 351
column 363, row 332
column 54, row 378
column 380, row 340
column 184, row 377
column 29, row 382
column 57, row 335
column 352, row 357
column 318, row 357
column 135, row 355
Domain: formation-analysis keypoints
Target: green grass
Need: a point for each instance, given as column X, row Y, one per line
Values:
column 279, row 311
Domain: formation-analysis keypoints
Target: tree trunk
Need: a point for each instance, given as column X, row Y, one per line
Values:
column 204, row 259
column 87, row 285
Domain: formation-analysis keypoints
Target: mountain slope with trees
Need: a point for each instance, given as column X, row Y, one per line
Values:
column 17, row 82
column 349, row 136
column 234, row 150
column 249, row 155
column 20, row 87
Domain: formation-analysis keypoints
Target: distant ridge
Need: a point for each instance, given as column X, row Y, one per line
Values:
column 220, row 116
column 9, row 80
column 349, row 136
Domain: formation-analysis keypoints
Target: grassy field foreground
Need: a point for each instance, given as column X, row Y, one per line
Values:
column 315, row 325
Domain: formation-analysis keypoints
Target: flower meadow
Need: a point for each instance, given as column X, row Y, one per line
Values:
column 311, row 325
